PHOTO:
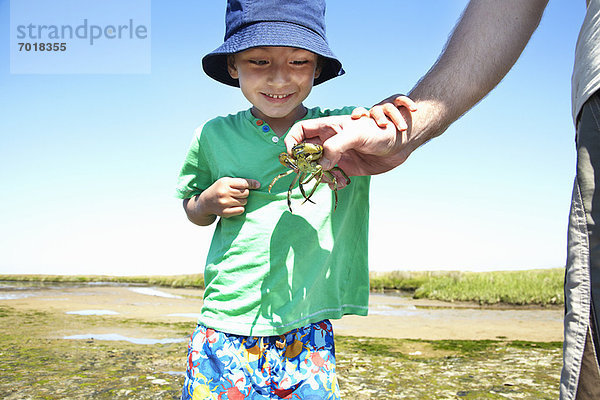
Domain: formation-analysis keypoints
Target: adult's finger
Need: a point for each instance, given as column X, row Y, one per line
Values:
column 321, row 128
column 359, row 112
column 404, row 101
column 378, row 114
column 395, row 116
column 335, row 146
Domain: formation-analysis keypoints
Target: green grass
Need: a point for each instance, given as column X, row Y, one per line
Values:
column 176, row 281
column 400, row 280
column 543, row 287
column 531, row 287
column 540, row 287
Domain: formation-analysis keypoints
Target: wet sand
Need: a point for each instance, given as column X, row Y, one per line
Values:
column 389, row 316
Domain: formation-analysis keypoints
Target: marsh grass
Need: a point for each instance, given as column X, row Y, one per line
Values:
column 543, row 287
column 539, row 287
column 532, row 287
column 175, row 281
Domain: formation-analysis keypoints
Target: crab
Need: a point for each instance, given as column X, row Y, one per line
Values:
column 303, row 162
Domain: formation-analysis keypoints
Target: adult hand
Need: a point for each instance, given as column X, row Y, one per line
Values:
column 358, row 146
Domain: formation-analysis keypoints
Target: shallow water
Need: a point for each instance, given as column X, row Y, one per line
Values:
column 390, row 314
column 27, row 289
column 92, row 312
column 149, row 291
column 464, row 313
column 14, row 296
column 394, row 305
column 118, row 337
column 176, row 373
column 39, row 285
column 185, row 315
column 393, row 311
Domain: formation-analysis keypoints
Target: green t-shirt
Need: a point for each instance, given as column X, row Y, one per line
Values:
column 269, row 271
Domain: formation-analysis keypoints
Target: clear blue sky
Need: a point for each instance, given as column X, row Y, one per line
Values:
column 88, row 162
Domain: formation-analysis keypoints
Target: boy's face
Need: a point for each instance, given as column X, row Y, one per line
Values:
column 276, row 80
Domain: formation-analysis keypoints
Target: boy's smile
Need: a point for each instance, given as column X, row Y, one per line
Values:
column 276, row 80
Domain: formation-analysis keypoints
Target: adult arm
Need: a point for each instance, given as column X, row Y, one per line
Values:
column 486, row 42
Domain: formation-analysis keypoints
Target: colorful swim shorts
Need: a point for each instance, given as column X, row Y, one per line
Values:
column 297, row 365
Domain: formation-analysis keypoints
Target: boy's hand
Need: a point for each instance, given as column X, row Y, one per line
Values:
column 387, row 111
column 228, row 196
column 225, row 198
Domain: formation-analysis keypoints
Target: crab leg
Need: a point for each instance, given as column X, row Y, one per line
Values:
column 303, row 162
column 279, row 177
column 334, row 181
column 289, row 198
column 318, row 176
column 341, row 171
column 301, row 182
column 311, row 177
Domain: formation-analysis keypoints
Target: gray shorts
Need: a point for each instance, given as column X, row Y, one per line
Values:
column 580, row 378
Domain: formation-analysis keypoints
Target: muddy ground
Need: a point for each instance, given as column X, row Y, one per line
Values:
column 473, row 357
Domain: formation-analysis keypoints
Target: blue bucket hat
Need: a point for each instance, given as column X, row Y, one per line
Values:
column 255, row 23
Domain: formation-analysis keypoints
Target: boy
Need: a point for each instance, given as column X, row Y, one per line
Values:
column 273, row 279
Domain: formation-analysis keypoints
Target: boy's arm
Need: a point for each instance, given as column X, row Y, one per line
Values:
column 196, row 212
column 225, row 198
